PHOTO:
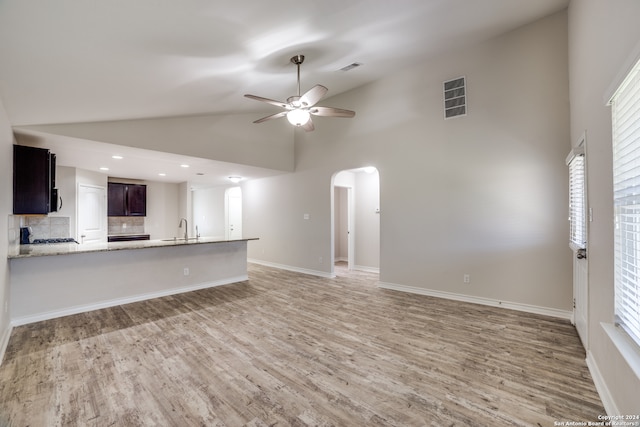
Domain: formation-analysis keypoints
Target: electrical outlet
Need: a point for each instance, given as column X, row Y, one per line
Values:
column 466, row 278
column 320, row 260
column 186, row 271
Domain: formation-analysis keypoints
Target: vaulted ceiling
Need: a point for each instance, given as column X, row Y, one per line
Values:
column 75, row 60
column 72, row 61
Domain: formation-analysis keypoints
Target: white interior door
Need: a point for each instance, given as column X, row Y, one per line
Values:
column 579, row 220
column 234, row 213
column 580, row 295
column 92, row 214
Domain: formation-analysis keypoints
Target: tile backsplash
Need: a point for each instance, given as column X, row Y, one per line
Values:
column 126, row 225
column 47, row 227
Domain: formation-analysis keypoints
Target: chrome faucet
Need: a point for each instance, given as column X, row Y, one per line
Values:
column 186, row 228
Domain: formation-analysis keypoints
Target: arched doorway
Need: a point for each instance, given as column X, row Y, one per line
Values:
column 355, row 219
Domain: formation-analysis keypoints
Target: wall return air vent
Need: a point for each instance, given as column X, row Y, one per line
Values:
column 455, row 98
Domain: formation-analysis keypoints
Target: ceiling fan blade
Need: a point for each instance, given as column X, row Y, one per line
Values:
column 331, row 112
column 268, row 101
column 313, row 95
column 308, row 127
column 273, row 116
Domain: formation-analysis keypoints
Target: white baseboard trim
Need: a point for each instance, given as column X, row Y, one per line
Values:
column 4, row 342
column 553, row 312
column 367, row 269
column 341, row 259
column 601, row 386
column 294, row 269
column 121, row 301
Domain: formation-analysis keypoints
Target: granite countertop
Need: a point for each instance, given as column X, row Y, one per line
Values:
column 28, row 251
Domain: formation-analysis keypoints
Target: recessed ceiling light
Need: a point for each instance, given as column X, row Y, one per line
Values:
column 235, row 179
column 162, row 174
column 184, row 166
column 104, row 169
column 116, row 157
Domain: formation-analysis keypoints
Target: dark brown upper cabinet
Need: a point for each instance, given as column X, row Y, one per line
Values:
column 127, row 199
column 34, row 181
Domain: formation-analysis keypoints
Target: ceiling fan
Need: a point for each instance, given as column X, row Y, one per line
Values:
column 299, row 108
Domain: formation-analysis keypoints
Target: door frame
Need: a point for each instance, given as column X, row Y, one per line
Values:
column 580, row 266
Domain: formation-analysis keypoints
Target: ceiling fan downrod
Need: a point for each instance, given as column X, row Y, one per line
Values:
column 298, row 60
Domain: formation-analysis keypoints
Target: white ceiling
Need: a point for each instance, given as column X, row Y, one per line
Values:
column 68, row 61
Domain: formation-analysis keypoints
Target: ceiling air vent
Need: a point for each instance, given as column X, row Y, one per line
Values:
column 455, row 98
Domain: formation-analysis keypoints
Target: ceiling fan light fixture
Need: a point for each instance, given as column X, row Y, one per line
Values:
column 299, row 108
column 298, row 117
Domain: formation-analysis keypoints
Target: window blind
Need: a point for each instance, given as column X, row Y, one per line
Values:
column 577, row 213
column 626, row 192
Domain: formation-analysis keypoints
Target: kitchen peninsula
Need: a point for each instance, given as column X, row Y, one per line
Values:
column 49, row 281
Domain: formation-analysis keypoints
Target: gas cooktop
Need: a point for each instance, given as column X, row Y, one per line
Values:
column 55, row 240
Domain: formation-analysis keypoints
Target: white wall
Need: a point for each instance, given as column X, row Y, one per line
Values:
column 209, row 211
column 602, row 36
column 185, row 210
column 229, row 138
column 162, row 217
column 484, row 195
column 88, row 177
column 6, row 223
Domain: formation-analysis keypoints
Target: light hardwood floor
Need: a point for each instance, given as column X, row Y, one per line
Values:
column 289, row 349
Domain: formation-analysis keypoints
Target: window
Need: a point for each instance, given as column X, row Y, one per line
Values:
column 625, row 113
column 577, row 217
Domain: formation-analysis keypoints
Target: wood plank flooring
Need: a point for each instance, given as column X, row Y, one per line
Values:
column 287, row 349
